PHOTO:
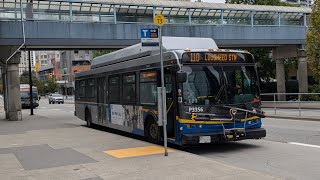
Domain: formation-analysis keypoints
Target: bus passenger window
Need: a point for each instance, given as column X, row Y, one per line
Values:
column 129, row 88
column 82, row 90
column 114, row 89
column 76, row 90
column 148, row 87
column 91, row 91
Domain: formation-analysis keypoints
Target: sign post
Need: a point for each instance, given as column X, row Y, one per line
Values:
column 30, row 84
column 159, row 20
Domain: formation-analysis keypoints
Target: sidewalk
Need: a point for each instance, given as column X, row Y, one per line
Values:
column 285, row 113
column 59, row 146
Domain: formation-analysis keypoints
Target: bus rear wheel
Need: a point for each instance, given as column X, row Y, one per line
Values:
column 153, row 131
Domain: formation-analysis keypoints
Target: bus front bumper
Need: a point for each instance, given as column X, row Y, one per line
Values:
column 24, row 105
column 199, row 138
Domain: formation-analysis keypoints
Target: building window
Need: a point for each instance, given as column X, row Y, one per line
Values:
column 76, row 52
column 114, row 89
column 45, row 56
column 90, row 89
column 148, row 87
column 82, row 89
column 129, row 89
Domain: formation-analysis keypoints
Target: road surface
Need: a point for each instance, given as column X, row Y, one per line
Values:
column 291, row 149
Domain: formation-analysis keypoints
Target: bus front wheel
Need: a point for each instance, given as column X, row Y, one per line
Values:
column 152, row 131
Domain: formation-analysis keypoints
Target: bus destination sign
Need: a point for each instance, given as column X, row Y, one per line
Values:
column 216, row 57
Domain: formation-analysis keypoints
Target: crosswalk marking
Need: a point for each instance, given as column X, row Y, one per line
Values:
column 302, row 144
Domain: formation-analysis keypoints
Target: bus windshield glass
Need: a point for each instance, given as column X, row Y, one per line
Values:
column 211, row 85
column 26, row 95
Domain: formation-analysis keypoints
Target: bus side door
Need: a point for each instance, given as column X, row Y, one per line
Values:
column 101, row 100
column 170, row 102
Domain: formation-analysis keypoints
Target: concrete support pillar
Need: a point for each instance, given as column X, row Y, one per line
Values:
column 302, row 72
column 11, row 82
column 4, row 92
column 13, row 91
column 281, row 80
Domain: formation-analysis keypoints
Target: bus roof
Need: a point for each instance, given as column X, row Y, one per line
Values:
column 169, row 44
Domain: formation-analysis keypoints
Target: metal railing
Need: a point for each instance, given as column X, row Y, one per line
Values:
column 291, row 102
column 106, row 12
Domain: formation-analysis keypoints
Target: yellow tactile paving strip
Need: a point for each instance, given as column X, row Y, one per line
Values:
column 139, row 151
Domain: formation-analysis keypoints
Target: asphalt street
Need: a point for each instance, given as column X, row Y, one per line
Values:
column 291, row 149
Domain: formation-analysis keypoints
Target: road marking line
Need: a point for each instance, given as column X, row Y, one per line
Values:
column 302, row 144
column 139, row 151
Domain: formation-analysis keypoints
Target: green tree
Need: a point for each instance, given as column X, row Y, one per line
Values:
column 101, row 52
column 313, row 41
column 52, row 86
column 262, row 2
column 41, row 87
column 267, row 67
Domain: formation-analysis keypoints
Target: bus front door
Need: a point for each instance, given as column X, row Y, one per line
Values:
column 169, row 83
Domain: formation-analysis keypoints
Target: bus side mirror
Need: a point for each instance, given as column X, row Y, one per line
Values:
column 181, row 76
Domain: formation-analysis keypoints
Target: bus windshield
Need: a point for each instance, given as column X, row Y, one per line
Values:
column 26, row 95
column 210, row 85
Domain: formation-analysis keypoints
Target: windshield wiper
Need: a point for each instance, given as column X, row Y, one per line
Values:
column 219, row 92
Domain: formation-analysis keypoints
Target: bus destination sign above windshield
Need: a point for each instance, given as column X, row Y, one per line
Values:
column 216, row 57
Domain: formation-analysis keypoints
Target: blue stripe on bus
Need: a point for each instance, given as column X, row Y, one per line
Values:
column 138, row 132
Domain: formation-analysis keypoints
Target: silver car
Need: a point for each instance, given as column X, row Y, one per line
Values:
column 56, row 98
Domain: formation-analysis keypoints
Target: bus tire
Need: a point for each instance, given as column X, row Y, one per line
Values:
column 152, row 131
column 88, row 118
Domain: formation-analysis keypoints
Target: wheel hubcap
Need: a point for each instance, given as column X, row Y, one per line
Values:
column 153, row 131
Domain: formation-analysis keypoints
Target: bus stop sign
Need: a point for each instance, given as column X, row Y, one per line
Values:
column 150, row 37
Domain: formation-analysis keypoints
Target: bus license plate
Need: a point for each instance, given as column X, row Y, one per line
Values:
column 205, row 139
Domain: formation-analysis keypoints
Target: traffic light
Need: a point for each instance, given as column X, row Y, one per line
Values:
column 50, row 75
column 37, row 67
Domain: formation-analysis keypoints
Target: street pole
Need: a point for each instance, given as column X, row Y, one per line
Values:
column 163, row 93
column 30, row 84
column 65, row 86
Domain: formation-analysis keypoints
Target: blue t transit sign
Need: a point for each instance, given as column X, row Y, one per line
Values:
column 149, row 37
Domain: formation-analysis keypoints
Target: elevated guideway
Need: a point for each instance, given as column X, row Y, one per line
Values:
column 64, row 24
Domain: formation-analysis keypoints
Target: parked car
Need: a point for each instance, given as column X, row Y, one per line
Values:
column 56, row 98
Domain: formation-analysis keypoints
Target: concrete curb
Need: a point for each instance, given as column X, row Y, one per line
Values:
column 294, row 118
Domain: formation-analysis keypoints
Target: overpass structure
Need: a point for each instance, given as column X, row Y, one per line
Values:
column 62, row 24
column 75, row 24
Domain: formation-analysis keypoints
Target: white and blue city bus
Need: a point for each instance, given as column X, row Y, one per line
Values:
column 25, row 96
column 212, row 95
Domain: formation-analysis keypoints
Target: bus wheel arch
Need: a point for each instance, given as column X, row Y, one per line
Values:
column 88, row 117
column 151, row 130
